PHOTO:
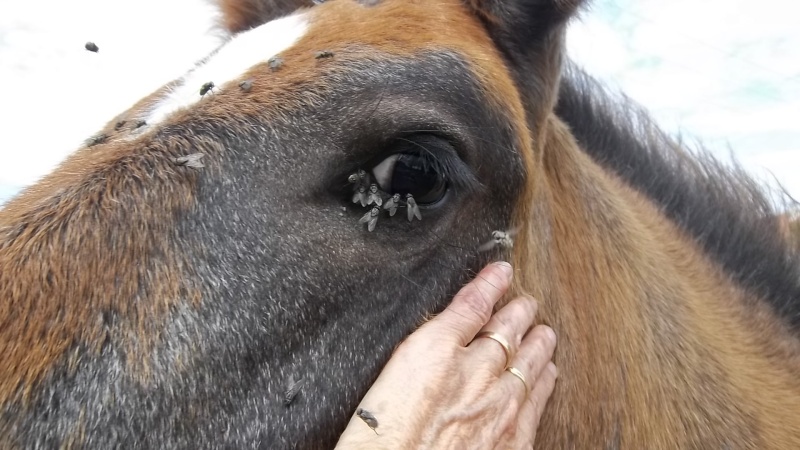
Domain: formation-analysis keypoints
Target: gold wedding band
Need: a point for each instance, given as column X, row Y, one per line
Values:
column 500, row 340
column 516, row 372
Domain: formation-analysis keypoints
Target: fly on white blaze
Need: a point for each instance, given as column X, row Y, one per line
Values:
column 231, row 61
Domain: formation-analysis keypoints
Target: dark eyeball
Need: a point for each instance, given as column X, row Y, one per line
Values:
column 415, row 174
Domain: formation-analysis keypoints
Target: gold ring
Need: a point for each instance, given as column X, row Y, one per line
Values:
column 500, row 340
column 516, row 372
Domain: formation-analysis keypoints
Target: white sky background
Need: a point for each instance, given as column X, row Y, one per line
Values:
column 726, row 72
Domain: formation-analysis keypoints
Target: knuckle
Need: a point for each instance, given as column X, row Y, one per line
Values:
column 514, row 405
column 476, row 302
column 505, row 323
column 492, row 279
column 537, row 404
column 532, row 304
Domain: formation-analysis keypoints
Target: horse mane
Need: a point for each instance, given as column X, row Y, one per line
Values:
column 728, row 213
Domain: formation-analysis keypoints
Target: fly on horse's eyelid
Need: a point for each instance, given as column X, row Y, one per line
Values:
column 413, row 209
column 360, row 178
column 392, row 204
column 323, row 54
column 374, row 195
column 368, row 418
column 360, row 196
column 371, row 218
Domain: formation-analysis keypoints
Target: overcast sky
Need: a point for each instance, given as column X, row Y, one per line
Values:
column 726, row 72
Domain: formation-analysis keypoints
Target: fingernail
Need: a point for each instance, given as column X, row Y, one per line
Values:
column 551, row 334
column 506, row 267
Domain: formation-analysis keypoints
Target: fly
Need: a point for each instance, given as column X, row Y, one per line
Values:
column 368, row 418
column 192, row 160
column 359, row 177
column 374, row 195
column 95, row 140
column 292, row 391
column 371, row 218
column 413, row 209
column 208, row 86
column 392, row 204
column 504, row 239
column 92, row 47
column 360, row 196
column 275, row 63
column 246, row 85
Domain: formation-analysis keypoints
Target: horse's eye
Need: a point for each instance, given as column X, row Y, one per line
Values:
column 416, row 174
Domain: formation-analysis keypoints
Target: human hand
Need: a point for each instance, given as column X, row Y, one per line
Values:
column 446, row 388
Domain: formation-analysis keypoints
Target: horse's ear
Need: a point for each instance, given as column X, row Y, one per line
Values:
column 530, row 34
column 519, row 27
column 241, row 15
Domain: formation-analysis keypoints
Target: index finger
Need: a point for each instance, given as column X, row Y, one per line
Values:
column 472, row 305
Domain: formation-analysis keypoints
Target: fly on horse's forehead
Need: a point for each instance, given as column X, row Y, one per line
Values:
column 159, row 285
column 97, row 139
column 246, row 85
column 206, row 88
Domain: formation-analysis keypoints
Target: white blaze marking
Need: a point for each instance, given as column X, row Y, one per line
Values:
column 230, row 61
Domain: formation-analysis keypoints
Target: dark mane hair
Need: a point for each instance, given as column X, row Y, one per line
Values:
column 727, row 212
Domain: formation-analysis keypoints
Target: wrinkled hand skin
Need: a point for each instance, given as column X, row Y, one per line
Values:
column 442, row 390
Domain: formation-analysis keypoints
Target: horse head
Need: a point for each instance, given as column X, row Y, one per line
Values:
column 230, row 262
column 276, row 220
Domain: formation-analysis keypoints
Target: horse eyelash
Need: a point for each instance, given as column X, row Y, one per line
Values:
column 449, row 164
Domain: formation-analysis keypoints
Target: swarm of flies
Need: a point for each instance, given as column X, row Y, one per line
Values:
column 369, row 195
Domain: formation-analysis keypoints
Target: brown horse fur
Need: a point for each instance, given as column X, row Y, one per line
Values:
column 657, row 349
column 130, row 315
